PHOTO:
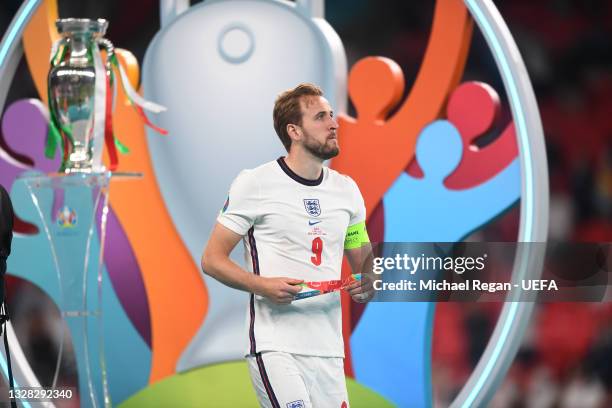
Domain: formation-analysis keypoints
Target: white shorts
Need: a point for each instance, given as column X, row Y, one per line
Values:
column 284, row 380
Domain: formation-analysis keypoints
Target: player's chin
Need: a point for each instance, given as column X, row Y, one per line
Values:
column 332, row 149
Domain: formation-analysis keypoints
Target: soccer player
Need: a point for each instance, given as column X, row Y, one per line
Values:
column 297, row 218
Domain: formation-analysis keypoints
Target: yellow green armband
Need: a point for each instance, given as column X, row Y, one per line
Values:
column 356, row 236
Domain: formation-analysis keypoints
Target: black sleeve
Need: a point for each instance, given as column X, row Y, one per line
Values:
column 6, row 223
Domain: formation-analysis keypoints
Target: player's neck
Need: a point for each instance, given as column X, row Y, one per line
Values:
column 304, row 164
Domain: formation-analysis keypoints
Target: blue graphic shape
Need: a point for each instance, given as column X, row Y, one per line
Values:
column 423, row 210
column 128, row 358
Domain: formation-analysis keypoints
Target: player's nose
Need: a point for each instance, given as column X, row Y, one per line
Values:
column 333, row 124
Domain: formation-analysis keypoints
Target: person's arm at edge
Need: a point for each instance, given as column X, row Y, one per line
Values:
column 360, row 260
column 216, row 263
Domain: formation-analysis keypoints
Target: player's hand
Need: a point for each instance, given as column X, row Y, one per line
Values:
column 361, row 291
column 279, row 290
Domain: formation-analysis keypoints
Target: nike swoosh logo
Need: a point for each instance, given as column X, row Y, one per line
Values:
column 311, row 223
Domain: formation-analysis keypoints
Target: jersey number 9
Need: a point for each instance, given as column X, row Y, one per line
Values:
column 317, row 250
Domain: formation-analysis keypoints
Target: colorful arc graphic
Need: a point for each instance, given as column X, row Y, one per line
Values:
column 511, row 325
column 33, row 24
column 534, row 221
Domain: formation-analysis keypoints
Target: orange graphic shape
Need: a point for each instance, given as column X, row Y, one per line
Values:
column 375, row 87
column 375, row 150
column 176, row 292
column 38, row 36
column 177, row 295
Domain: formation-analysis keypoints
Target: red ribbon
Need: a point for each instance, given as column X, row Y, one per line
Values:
column 330, row 285
column 66, row 148
column 148, row 122
column 108, row 128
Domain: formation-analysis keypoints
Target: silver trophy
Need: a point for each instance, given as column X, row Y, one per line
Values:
column 72, row 90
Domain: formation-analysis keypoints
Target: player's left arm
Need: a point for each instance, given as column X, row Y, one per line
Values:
column 357, row 247
column 358, row 251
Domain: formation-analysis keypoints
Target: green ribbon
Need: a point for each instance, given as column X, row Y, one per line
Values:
column 57, row 134
column 54, row 136
column 123, row 149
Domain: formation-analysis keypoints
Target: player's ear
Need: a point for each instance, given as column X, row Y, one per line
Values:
column 294, row 132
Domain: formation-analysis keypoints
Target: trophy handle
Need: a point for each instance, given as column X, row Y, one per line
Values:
column 169, row 10
column 110, row 51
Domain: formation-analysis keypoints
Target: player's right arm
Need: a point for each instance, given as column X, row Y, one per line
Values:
column 239, row 214
column 216, row 262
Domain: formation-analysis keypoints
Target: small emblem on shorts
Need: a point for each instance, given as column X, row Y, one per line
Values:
column 312, row 206
column 295, row 404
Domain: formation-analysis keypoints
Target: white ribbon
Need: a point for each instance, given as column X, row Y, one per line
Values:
column 135, row 96
column 54, row 49
column 114, row 92
column 99, row 110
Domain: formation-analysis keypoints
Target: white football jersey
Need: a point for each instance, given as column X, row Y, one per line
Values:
column 296, row 228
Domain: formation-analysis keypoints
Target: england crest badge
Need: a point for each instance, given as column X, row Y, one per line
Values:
column 312, row 206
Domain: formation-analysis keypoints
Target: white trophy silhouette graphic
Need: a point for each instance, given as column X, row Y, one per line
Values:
column 218, row 67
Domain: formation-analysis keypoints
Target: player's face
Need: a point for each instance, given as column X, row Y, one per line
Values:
column 319, row 128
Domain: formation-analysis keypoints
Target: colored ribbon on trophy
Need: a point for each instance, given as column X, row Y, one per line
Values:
column 310, row 289
column 57, row 134
column 109, row 138
column 139, row 103
column 102, row 131
column 123, row 149
column 102, row 121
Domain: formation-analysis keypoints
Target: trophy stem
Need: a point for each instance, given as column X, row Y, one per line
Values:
column 76, row 234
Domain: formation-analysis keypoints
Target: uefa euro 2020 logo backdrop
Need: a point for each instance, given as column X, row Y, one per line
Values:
column 161, row 317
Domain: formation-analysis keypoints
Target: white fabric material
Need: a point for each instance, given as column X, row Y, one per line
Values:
column 269, row 200
column 99, row 110
column 54, row 48
column 135, row 96
column 298, row 381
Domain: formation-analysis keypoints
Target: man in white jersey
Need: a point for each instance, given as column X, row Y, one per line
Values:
column 297, row 218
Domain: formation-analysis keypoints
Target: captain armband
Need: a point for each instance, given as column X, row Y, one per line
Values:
column 356, row 236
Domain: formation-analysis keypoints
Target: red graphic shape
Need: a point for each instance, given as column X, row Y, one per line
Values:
column 473, row 108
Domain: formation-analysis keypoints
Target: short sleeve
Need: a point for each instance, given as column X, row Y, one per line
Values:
column 240, row 209
column 356, row 233
column 358, row 214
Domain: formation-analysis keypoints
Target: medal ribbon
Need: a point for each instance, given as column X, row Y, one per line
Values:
column 310, row 289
